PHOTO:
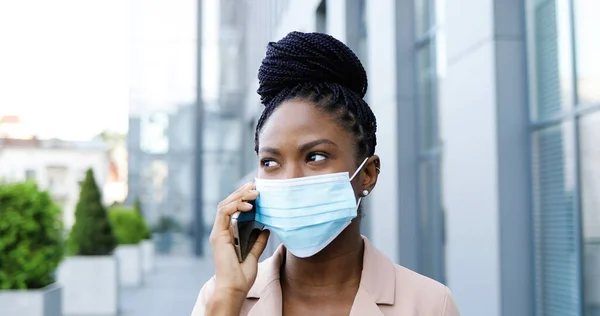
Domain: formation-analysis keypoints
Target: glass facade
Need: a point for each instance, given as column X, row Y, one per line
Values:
column 589, row 157
column 431, row 219
column 587, row 50
column 565, row 115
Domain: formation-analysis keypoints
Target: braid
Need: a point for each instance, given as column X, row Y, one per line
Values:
column 318, row 68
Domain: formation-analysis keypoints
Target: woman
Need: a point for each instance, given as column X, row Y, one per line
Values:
column 314, row 133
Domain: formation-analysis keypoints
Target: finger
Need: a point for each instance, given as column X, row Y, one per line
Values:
column 224, row 214
column 218, row 222
column 249, row 195
column 261, row 243
column 237, row 194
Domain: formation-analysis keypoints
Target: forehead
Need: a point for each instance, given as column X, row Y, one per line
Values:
column 297, row 121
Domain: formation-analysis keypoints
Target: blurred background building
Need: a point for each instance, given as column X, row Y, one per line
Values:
column 162, row 102
column 59, row 165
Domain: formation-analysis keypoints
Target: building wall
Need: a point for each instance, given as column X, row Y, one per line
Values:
column 486, row 173
column 384, row 201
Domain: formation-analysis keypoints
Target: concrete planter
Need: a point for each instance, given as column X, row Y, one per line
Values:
column 147, row 247
column 42, row 302
column 90, row 285
column 130, row 265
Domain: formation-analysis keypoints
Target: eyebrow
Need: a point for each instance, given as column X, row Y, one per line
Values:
column 303, row 147
column 270, row 150
column 315, row 143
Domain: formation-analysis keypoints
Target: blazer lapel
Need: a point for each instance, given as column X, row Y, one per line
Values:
column 377, row 283
column 364, row 305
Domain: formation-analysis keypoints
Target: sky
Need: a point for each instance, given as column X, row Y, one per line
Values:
column 69, row 68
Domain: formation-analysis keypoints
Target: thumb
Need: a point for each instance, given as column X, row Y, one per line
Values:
column 261, row 243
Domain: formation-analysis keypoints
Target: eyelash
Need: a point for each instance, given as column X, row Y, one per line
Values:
column 316, row 154
column 265, row 161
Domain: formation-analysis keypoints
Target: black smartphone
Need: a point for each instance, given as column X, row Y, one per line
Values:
column 244, row 231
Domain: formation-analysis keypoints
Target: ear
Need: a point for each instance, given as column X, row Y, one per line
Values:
column 370, row 173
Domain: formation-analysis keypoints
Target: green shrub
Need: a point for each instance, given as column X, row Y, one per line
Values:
column 31, row 243
column 138, row 208
column 128, row 226
column 92, row 234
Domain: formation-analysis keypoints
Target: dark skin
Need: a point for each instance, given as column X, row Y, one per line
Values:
column 299, row 140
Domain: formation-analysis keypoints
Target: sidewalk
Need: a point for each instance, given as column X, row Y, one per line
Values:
column 170, row 290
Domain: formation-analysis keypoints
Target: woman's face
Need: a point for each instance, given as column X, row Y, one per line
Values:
column 298, row 140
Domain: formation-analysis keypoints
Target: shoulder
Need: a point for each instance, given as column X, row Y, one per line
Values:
column 413, row 282
column 426, row 294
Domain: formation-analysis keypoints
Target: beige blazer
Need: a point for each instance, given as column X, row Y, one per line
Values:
column 385, row 289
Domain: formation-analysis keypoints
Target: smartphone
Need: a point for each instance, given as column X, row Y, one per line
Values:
column 244, row 231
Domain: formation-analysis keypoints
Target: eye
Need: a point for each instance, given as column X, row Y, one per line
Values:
column 269, row 163
column 316, row 157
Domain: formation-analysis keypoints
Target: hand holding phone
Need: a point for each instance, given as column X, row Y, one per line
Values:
column 233, row 279
column 244, row 231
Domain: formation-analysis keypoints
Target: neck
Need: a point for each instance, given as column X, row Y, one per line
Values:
column 337, row 266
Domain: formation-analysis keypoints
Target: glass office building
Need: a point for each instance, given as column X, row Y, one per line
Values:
column 489, row 134
column 564, row 81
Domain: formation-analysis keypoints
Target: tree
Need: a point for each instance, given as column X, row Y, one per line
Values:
column 112, row 137
column 31, row 243
column 92, row 234
column 127, row 224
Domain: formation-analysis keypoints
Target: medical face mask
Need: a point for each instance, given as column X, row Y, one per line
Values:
column 307, row 213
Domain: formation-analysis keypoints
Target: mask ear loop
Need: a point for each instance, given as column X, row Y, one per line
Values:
column 358, row 203
column 354, row 175
column 359, row 168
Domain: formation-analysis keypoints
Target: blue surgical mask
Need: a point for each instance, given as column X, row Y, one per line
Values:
column 307, row 213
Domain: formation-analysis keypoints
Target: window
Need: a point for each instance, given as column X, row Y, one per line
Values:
column 587, row 50
column 30, row 175
column 57, row 180
column 557, row 255
column 431, row 220
column 552, row 62
column 565, row 111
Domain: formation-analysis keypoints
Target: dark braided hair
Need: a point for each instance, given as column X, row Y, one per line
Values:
column 318, row 68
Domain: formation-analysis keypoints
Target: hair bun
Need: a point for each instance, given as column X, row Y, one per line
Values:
column 309, row 58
